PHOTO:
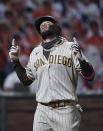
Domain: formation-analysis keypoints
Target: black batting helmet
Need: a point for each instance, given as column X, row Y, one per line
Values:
column 42, row 19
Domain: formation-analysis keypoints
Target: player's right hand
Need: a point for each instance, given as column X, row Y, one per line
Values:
column 14, row 51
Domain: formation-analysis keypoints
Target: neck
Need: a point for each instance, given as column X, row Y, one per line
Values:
column 48, row 39
column 50, row 42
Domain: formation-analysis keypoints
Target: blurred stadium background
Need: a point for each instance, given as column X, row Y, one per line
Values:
column 80, row 18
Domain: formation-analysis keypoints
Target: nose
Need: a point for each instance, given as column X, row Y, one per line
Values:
column 44, row 25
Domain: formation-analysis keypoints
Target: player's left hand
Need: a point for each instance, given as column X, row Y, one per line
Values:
column 76, row 51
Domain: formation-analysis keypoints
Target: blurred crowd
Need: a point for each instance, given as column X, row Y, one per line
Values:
column 80, row 18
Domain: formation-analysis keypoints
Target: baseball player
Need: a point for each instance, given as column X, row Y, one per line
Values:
column 55, row 63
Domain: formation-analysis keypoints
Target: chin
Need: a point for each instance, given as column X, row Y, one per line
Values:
column 53, row 31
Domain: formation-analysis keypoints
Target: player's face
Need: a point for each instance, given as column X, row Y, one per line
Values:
column 45, row 26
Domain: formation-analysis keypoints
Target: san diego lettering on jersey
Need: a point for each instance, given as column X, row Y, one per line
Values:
column 54, row 59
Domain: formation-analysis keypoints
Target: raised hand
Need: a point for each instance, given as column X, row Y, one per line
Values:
column 14, row 51
column 76, row 51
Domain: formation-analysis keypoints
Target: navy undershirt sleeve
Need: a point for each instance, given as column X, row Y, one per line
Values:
column 21, row 73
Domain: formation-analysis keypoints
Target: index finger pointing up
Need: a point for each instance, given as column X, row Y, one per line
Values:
column 75, row 41
column 13, row 42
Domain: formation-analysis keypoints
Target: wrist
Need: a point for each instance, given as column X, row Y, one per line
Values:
column 14, row 59
column 81, row 60
column 16, row 63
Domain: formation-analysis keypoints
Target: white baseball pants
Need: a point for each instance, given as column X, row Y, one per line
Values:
column 56, row 119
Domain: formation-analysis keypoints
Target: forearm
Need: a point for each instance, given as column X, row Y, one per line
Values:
column 21, row 73
column 87, row 71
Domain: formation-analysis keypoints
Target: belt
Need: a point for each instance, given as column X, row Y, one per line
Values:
column 60, row 103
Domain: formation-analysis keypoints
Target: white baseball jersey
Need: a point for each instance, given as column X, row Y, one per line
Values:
column 57, row 77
